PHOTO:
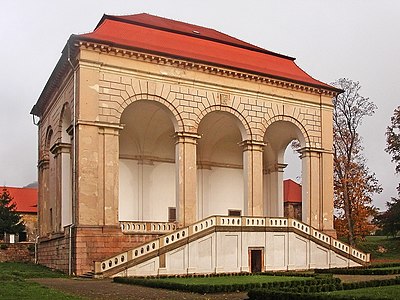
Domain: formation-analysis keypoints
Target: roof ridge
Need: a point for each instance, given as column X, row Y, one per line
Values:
column 195, row 33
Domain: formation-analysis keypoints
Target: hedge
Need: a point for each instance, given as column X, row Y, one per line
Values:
column 360, row 271
column 311, row 292
column 267, row 273
column 312, row 285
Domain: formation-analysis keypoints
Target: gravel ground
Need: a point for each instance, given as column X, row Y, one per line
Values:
column 355, row 278
column 106, row 289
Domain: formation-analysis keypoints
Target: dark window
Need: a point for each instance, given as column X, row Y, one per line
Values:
column 234, row 212
column 171, row 214
column 22, row 236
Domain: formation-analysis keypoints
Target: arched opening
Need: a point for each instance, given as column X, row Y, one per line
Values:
column 147, row 187
column 66, row 168
column 278, row 137
column 220, row 184
column 292, row 189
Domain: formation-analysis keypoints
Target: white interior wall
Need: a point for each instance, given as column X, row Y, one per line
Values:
column 219, row 189
column 146, row 190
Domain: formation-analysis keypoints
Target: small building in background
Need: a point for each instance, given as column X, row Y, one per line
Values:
column 26, row 201
column 292, row 199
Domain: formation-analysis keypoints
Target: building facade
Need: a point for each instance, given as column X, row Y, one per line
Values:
column 147, row 119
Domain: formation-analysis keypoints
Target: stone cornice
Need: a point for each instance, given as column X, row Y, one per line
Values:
column 211, row 69
column 60, row 148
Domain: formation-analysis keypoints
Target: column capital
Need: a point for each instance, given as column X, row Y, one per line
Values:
column 186, row 137
column 278, row 167
column 60, row 148
column 250, row 145
column 311, row 151
column 43, row 163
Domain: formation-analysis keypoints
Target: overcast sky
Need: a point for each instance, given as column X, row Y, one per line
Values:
column 359, row 40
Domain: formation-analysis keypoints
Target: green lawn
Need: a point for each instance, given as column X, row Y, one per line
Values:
column 381, row 248
column 27, row 270
column 227, row 280
column 381, row 292
column 30, row 290
column 13, row 283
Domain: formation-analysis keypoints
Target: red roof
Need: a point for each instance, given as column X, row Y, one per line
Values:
column 25, row 198
column 160, row 23
column 291, row 191
column 157, row 35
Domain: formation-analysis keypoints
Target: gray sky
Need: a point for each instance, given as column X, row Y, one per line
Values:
column 359, row 40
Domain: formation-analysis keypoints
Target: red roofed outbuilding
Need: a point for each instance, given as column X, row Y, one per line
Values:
column 292, row 199
column 26, row 205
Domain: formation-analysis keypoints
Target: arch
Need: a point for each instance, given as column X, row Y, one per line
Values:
column 65, row 122
column 279, row 132
column 176, row 118
column 243, row 125
column 48, row 137
column 147, row 144
column 220, row 171
column 305, row 136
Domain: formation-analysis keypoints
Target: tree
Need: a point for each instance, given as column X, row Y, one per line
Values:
column 389, row 220
column 354, row 184
column 10, row 220
column 393, row 140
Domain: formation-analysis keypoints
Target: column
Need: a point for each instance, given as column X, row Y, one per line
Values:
column 311, row 188
column 275, row 189
column 185, row 161
column 43, row 195
column 327, row 193
column 253, row 177
column 110, row 173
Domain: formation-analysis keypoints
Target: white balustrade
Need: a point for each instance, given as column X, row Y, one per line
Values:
column 360, row 255
column 341, row 246
column 229, row 221
column 147, row 227
column 145, row 249
column 175, row 236
column 321, row 236
column 277, row 222
column 300, row 226
column 114, row 261
column 179, row 234
column 203, row 225
column 254, row 221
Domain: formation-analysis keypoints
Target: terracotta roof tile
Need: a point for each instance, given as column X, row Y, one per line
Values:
column 25, row 198
column 152, row 34
column 291, row 191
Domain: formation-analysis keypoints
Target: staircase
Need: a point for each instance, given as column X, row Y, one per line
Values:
column 224, row 244
column 87, row 275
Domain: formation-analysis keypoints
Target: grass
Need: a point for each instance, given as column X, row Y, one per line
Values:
column 13, row 283
column 382, row 248
column 30, row 290
column 27, row 270
column 381, row 292
column 228, row 280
